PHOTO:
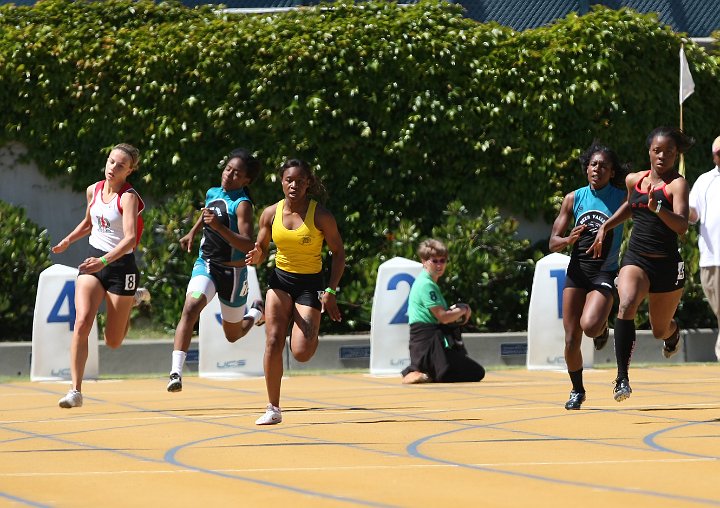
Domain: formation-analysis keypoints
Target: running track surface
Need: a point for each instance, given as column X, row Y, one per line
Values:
column 356, row 440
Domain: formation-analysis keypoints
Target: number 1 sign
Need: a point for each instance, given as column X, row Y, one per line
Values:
column 546, row 334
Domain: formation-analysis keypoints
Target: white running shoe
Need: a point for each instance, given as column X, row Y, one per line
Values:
column 272, row 416
column 73, row 398
column 259, row 305
column 175, row 383
column 142, row 295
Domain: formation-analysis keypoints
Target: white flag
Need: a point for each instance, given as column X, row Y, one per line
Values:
column 687, row 85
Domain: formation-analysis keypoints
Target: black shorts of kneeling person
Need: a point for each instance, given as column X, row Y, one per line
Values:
column 438, row 352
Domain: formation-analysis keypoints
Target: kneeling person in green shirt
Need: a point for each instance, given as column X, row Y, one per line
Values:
column 437, row 353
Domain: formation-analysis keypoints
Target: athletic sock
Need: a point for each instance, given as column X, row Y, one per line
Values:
column 178, row 360
column 576, row 377
column 624, row 345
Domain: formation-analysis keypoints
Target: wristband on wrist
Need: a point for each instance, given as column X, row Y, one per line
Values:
column 657, row 208
column 104, row 261
column 331, row 290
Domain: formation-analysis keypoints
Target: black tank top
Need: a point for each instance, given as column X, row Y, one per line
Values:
column 650, row 235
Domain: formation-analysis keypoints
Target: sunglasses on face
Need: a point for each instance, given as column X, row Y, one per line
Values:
column 438, row 261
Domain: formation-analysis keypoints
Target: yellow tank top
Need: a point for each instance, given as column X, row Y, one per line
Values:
column 298, row 250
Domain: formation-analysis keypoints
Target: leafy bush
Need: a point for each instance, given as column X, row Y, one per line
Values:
column 24, row 254
column 490, row 268
column 693, row 311
column 165, row 266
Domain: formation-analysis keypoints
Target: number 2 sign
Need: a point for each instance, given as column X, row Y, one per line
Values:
column 389, row 329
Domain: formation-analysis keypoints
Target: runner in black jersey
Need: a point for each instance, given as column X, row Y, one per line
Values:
column 589, row 284
column 658, row 203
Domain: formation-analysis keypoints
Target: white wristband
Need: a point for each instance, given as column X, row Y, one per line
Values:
column 657, row 209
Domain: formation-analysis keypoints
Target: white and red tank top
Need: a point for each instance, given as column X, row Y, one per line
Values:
column 107, row 219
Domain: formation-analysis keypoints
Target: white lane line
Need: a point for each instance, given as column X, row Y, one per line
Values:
column 496, row 465
column 367, row 413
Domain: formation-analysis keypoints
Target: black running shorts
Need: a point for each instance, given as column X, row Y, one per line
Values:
column 589, row 280
column 665, row 274
column 120, row 277
column 303, row 288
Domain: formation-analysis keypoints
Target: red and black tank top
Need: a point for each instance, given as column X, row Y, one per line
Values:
column 650, row 235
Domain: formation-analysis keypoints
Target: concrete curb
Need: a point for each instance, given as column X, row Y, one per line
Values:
column 337, row 352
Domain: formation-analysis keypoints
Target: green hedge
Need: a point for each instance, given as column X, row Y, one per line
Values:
column 373, row 96
column 24, row 253
column 402, row 109
column 489, row 267
column 164, row 265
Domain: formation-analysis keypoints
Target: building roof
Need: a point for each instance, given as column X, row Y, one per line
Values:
column 519, row 14
column 697, row 18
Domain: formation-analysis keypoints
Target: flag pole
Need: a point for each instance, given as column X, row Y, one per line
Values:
column 682, row 50
column 681, row 167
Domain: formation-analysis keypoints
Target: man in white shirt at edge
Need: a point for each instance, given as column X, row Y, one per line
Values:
column 705, row 208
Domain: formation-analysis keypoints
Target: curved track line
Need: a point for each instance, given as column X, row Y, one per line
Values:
column 413, row 450
column 20, row 500
column 650, row 440
column 170, row 457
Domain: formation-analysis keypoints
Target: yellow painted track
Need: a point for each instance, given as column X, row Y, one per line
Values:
column 356, row 440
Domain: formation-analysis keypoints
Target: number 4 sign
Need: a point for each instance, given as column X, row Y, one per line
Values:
column 53, row 323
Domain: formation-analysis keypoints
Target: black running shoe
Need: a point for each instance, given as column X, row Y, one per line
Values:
column 175, row 384
column 601, row 339
column 622, row 389
column 575, row 401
